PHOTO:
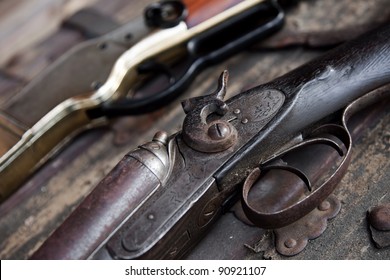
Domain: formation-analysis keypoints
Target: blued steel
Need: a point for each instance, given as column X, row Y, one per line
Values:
column 275, row 115
column 277, row 190
column 204, row 136
column 269, row 119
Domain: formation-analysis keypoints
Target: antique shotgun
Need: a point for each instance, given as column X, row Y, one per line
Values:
column 190, row 36
column 161, row 198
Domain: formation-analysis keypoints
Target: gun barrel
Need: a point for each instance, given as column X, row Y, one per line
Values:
column 131, row 181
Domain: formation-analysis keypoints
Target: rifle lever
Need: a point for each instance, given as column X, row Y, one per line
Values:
column 204, row 49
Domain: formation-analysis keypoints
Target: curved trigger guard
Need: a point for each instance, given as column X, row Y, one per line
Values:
column 295, row 211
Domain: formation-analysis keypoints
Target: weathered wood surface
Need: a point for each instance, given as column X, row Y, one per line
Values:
column 24, row 23
column 46, row 200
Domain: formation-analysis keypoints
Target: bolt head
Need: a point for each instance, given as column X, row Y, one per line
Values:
column 151, row 217
column 379, row 217
column 290, row 243
column 218, row 131
column 244, row 121
column 325, row 205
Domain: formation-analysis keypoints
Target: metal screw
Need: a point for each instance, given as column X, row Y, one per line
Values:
column 237, row 111
column 218, row 131
column 379, row 217
column 325, row 205
column 151, row 217
column 244, row 121
column 290, row 243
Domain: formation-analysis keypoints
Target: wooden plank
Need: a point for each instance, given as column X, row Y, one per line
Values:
column 23, row 23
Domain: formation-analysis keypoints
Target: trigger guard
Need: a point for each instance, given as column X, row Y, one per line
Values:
column 305, row 205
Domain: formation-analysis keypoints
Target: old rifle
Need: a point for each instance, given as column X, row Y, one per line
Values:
column 189, row 36
column 162, row 197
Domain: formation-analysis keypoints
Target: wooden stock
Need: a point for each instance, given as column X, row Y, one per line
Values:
column 201, row 10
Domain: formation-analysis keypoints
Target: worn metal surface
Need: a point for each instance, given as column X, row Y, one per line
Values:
column 216, row 136
column 191, row 185
column 133, row 179
column 356, row 192
column 27, row 221
column 379, row 217
column 293, row 239
column 379, row 222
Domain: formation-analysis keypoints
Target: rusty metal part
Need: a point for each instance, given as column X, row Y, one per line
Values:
column 292, row 204
column 213, row 136
column 91, row 23
column 279, row 189
column 289, row 185
column 379, row 223
column 276, row 191
column 381, row 238
column 276, row 114
column 267, row 118
column 292, row 239
column 183, row 190
column 379, row 217
column 135, row 178
column 339, row 74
